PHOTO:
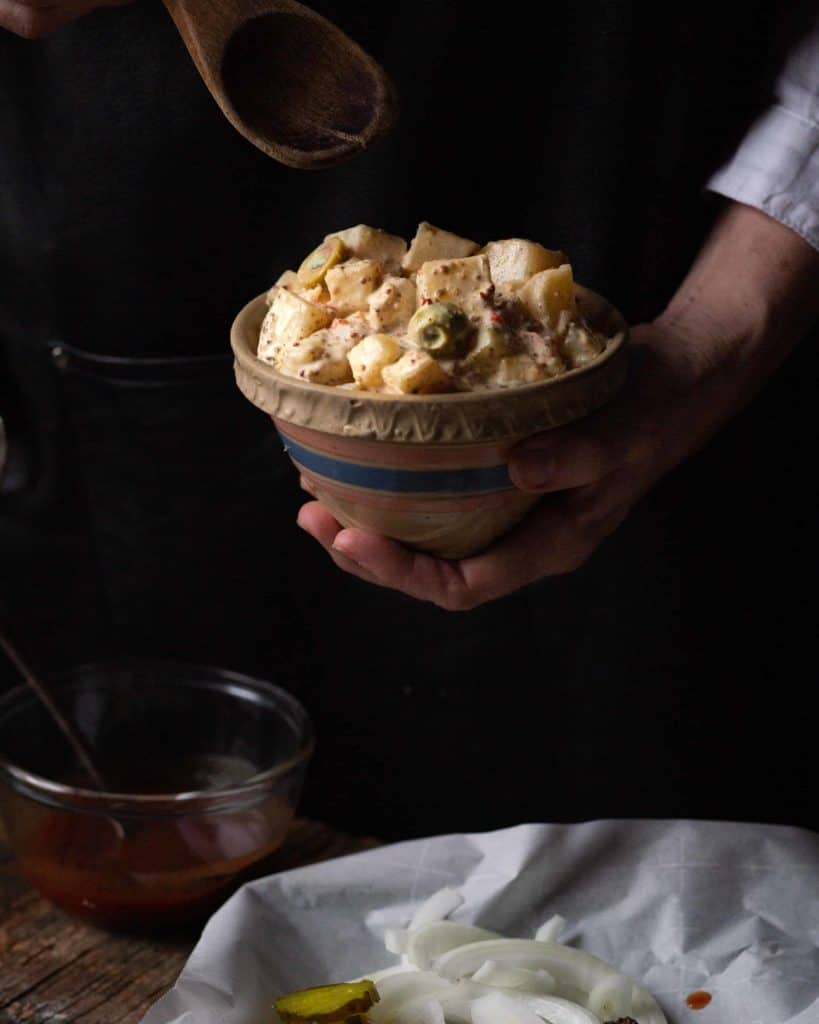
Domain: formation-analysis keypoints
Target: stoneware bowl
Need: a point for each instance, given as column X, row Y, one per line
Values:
column 427, row 470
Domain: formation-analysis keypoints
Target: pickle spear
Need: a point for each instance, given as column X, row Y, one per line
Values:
column 327, row 1004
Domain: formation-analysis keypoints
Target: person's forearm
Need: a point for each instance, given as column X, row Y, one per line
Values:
column 753, row 292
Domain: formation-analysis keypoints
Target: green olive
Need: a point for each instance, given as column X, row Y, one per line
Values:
column 313, row 269
column 441, row 328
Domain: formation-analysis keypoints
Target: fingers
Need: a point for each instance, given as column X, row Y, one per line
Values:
column 379, row 560
column 305, row 485
column 557, row 537
column 591, row 472
column 621, row 435
column 31, row 21
column 317, row 521
column 412, row 572
column 34, row 19
column 314, row 519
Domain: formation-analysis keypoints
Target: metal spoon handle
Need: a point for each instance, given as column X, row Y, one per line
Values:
column 77, row 743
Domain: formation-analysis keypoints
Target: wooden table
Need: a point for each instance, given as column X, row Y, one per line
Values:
column 56, row 970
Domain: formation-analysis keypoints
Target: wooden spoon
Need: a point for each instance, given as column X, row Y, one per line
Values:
column 75, row 740
column 46, row 698
column 288, row 79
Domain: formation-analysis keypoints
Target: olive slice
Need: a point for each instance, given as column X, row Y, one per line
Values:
column 316, row 265
column 440, row 328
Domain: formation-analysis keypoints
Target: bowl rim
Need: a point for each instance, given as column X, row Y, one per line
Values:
column 195, row 801
column 453, row 417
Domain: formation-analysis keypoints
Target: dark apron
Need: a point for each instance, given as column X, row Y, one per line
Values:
column 153, row 511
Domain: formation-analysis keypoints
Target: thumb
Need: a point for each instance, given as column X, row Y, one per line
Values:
column 622, row 433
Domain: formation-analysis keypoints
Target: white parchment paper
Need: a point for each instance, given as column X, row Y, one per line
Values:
column 678, row 906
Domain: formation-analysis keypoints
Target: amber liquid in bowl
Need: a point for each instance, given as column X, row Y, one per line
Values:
column 202, row 770
column 152, row 871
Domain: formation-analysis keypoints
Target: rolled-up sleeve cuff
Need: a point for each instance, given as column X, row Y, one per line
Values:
column 776, row 169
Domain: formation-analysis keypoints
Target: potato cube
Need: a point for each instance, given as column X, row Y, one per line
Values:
column 268, row 347
column 321, row 358
column 416, row 373
column 549, row 294
column 509, row 291
column 491, row 345
column 291, row 283
column 392, row 304
column 365, row 243
column 516, row 259
column 369, row 357
column 350, row 329
column 289, row 280
column 290, row 318
column 300, row 351
column 582, row 346
column 545, row 351
column 431, row 243
column 350, row 284
column 466, row 282
column 514, row 370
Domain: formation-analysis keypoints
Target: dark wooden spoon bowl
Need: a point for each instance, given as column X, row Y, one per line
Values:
column 288, row 79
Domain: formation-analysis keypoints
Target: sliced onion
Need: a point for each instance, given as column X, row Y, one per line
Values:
column 386, row 972
column 551, row 930
column 458, row 1000
column 645, row 1008
column 549, row 1008
column 519, row 978
column 559, row 1011
column 434, row 940
column 399, row 990
column 420, row 1011
column 569, row 967
column 610, row 998
column 439, row 905
column 497, row 1008
column 456, row 974
column 396, row 939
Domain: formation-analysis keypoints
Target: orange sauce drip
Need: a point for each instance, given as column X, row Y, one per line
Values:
column 698, row 1000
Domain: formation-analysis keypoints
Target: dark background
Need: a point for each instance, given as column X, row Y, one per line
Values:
column 153, row 509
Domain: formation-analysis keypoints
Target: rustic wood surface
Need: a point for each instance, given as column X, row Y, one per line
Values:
column 56, row 970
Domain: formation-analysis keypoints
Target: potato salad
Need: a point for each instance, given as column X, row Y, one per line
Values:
column 367, row 311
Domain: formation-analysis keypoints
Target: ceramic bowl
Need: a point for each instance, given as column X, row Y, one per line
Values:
column 427, row 470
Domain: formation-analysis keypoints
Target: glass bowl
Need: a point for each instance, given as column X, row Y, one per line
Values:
column 203, row 771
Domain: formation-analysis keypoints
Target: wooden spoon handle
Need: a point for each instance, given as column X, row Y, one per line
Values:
column 206, row 26
column 76, row 742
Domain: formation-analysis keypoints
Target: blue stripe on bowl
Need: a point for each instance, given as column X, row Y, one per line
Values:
column 418, row 481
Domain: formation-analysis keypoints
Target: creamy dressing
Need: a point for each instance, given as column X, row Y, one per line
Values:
column 496, row 318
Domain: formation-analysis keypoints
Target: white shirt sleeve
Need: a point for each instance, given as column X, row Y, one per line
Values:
column 776, row 167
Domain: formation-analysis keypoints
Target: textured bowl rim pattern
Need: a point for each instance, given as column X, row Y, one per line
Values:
column 452, row 418
column 104, row 802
